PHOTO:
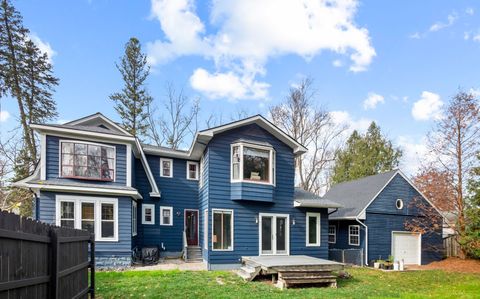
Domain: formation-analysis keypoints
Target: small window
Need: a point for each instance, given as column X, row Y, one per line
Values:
column 313, row 229
column 166, row 168
column 67, row 214
column 354, row 235
column 166, row 216
column 236, row 162
column 399, row 204
column 222, row 230
column 108, row 221
column 134, row 218
column 192, row 170
column 148, row 214
column 332, row 234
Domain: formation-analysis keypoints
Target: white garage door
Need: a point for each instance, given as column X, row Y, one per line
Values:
column 407, row 246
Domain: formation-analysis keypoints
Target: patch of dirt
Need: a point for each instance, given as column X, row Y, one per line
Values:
column 451, row 264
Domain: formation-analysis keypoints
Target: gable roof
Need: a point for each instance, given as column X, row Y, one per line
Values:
column 100, row 121
column 356, row 195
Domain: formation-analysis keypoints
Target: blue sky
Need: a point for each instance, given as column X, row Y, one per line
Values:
column 395, row 62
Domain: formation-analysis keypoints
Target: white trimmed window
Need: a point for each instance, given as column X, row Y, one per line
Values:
column 399, row 204
column 354, row 235
column 332, row 234
column 222, row 230
column 86, row 160
column 97, row 215
column 313, row 229
column 252, row 163
column 166, row 215
column 134, row 218
column 166, row 168
column 148, row 214
column 205, row 229
column 192, row 170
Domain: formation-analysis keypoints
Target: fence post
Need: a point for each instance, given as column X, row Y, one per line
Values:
column 92, row 265
column 54, row 265
column 343, row 255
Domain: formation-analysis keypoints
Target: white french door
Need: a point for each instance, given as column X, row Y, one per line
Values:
column 274, row 232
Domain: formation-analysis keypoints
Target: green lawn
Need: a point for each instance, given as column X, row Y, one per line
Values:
column 365, row 283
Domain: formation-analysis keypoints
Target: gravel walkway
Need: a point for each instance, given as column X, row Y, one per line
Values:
column 173, row 264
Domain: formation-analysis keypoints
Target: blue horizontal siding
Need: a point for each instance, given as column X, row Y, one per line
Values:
column 251, row 191
column 53, row 160
column 246, row 230
column 47, row 214
column 342, row 234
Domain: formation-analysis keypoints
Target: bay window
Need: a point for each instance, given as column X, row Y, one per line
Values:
column 97, row 215
column 222, row 230
column 87, row 161
column 252, row 163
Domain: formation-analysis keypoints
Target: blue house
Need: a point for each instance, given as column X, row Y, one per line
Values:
column 376, row 209
column 230, row 195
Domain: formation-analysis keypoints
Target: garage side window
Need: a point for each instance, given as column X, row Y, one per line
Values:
column 354, row 235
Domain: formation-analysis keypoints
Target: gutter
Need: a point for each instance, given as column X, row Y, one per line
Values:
column 366, row 239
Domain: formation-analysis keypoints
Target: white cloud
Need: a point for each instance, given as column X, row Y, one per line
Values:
column 429, row 106
column 43, row 46
column 469, row 11
column 227, row 85
column 476, row 37
column 343, row 118
column 415, row 35
column 415, row 153
column 246, row 34
column 451, row 19
column 337, row 63
column 4, row 116
column 373, row 100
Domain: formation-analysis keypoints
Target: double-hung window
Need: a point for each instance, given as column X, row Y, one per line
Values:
column 354, row 235
column 252, row 163
column 84, row 160
column 313, row 229
column 166, row 215
column 192, row 170
column 148, row 214
column 97, row 215
column 166, row 166
column 332, row 234
column 222, row 230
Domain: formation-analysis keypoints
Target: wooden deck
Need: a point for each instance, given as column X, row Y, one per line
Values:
column 291, row 270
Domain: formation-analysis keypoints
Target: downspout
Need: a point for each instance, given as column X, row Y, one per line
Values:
column 366, row 239
column 336, row 209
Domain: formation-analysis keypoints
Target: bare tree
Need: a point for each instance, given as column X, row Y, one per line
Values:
column 454, row 142
column 179, row 121
column 313, row 127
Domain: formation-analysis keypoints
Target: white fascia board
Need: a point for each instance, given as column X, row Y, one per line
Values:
column 43, row 157
column 102, row 117
column 86, row 190
column 155, row 191
column 74, row 132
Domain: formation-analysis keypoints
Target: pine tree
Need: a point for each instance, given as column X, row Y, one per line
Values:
column 365, row 155
column 133, row 100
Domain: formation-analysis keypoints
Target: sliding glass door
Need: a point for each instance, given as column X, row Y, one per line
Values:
column 274, row 234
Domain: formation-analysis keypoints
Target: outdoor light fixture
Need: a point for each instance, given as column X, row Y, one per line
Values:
column 256, row 219
column 293, row 221
column 178, row 213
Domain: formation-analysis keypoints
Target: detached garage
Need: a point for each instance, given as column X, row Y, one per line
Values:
column 371, row 226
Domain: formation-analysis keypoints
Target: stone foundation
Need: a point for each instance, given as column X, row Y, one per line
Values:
column 113, row 261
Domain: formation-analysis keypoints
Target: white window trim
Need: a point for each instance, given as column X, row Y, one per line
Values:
column 232, row 232
column 134, row 214
column 148, row 206
column 162, row 208
column 401, row 204
column 240, row 153
column 334, row 234
column 274, row 228
column 196, row 172
column 200, row 172
column 349, row 234
column 91, row 143
column 161, row 167
column 98, row 201
column 205, row 229
column 318, row 224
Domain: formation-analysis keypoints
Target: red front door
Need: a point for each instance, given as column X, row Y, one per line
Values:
column 191, row 227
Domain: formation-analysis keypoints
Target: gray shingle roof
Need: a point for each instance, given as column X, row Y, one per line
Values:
column 94, row 129
column 69, row 183
column 304, row 198
column 355, row 195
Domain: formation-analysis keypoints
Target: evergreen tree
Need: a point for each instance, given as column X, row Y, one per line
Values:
column 470, row 241
column 365, row 155
column 133, row 100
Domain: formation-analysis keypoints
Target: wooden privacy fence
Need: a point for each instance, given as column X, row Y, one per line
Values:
column 38, row 260
column 451, row 245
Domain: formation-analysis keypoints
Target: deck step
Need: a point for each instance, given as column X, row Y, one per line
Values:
column 248, row 273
